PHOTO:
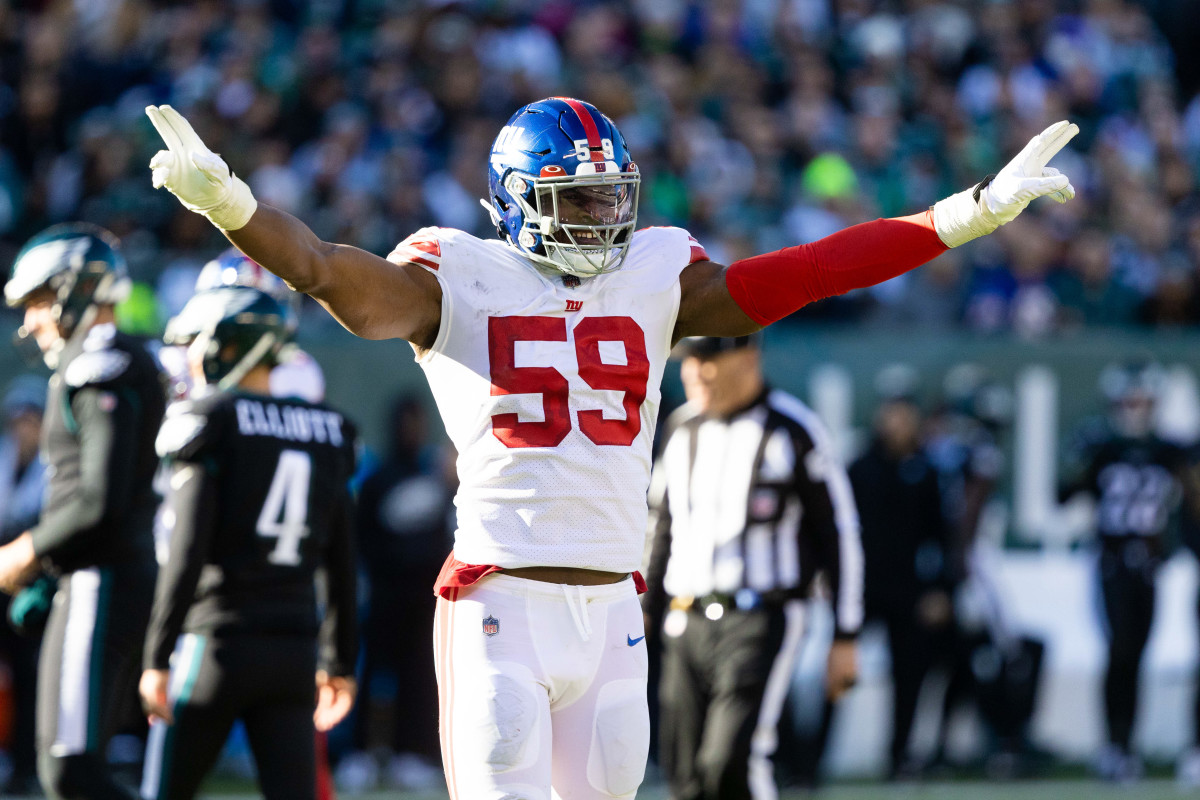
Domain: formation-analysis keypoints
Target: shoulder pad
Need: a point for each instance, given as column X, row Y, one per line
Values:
column 674, row 238
column 96, row 366
column 185, row 431
column 423, row 248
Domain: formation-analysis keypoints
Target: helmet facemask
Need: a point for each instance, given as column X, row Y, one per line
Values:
column 578, row 224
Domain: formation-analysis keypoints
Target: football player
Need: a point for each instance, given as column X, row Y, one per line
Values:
column 544, row 349
column 296, row 374
column 1137, row 480
column 104, row 407
column 260, row 500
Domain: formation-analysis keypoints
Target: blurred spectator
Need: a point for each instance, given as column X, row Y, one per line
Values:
column 22, row 483
column 760, row 124
column 405, row 521
column 22, row 474
column 906, row 551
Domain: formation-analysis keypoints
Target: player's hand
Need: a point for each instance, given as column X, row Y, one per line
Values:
column 841, row 670
column 980, row 210
column 1027, row 177
column 18, row 564
column 196, row 175
column 153, row 690
column 335, row 698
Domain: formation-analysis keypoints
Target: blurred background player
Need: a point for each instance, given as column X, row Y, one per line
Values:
column 22, row 485
column 1136, row 479
column 95, row 532
column 296, row 374
column 748, row 505
column 908, row 583
column 991, row 667
column 404, row 529
column 260, row 497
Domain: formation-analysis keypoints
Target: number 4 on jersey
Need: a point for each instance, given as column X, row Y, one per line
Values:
column 284, row 514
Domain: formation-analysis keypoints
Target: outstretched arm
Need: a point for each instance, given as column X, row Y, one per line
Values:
column 753, row 293
column 370, row 296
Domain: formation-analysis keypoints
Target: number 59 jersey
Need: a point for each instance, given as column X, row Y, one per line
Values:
column 548, row 385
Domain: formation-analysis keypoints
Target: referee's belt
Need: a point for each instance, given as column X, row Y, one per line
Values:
column 741, row 600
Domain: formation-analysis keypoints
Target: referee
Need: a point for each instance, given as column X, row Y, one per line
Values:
column 748, row 504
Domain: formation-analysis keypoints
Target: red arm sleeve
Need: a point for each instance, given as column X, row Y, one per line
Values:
column 773, row 285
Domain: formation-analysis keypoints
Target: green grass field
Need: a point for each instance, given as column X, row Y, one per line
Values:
column 954, row 790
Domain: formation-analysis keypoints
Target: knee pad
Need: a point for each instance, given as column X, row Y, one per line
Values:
column 497, row 723
column 620, row 738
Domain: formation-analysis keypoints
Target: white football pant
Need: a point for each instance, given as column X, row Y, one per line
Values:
column 540, row 685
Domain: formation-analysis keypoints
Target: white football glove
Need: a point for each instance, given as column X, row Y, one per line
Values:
column 979, row 211
column 196, row 175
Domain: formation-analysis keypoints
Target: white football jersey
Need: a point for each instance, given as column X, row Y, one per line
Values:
column 549, row 386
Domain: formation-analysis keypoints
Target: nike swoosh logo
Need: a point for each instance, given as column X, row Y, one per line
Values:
column 632, row 641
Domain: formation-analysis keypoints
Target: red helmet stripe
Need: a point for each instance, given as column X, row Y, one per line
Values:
column 589, row 127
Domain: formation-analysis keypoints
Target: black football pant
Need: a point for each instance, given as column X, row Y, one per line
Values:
column 266, row 681
column 1128, row 594
column 87, row 676
column 723, row 687
column 20, row 651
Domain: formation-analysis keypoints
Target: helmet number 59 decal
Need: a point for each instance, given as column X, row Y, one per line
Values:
column 630, row 378
column 584, row 153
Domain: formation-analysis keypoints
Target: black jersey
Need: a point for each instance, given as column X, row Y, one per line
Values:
column 260, row 502
column 1137, row 486
column 103, row 411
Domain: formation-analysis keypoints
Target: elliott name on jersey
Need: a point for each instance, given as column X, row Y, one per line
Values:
column 548, row 385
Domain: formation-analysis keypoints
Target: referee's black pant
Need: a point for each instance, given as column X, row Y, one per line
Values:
column 267, row 681
column 724, row 683
column 87, row 676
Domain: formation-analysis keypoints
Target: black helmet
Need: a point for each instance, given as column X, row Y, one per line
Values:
column 236, row 329
column 79, row 262
column 1132, row 390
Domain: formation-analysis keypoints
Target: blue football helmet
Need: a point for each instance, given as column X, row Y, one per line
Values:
column 564, row 190
column 234, row 268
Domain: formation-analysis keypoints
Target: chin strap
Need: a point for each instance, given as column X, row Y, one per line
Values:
column 249, row 361
column 494, row 216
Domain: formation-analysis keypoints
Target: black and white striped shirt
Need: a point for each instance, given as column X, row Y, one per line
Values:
column 757, row 501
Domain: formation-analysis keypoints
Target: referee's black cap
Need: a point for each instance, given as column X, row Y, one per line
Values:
column 705, row 346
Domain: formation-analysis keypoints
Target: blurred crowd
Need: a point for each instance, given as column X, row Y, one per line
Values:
column 757, row 124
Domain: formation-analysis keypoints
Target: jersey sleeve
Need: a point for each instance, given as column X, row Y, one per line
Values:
column 830, row 521
column 192, row 430
column 423, row 248
column 108, row 423
column 193, row 499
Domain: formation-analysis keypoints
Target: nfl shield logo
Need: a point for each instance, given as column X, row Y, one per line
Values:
column 491, row 626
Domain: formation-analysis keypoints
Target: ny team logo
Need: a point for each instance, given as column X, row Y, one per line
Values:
column 491, row 626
